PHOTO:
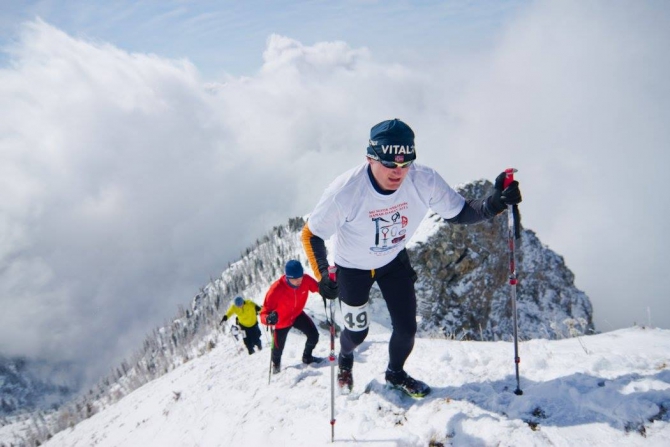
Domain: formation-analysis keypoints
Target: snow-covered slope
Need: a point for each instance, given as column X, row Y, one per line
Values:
column 462, row 293
column 599, row 390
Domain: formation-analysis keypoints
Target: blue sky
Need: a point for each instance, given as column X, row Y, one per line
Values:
column 144, row 145
column 230, row 36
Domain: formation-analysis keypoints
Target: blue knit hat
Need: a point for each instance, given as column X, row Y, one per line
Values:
column 392, row 140
column 294, row 269
column 239, row 301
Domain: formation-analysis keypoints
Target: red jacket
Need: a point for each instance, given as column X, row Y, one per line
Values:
column 287, row 301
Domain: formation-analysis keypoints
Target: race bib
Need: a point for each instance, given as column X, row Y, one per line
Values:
column 356, row 318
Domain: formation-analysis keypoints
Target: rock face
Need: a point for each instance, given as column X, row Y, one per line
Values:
column 463, row 288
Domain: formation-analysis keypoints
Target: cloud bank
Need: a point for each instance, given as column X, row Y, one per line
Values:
column 128, row 181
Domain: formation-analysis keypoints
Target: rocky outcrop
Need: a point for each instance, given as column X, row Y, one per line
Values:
column 463, row 288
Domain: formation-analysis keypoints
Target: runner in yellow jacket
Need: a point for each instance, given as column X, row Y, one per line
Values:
column 247, row 319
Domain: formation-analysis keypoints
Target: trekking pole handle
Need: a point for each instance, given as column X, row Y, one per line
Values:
column 332, row 273
column 509, row 176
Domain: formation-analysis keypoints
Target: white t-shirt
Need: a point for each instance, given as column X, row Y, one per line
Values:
column 370, row 228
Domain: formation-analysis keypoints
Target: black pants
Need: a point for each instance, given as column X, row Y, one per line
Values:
column 396, row 281
column 252, row 337
column 305, row 325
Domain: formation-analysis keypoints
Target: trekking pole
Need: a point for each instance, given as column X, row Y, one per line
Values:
column 234, row 335
column 513, row 230
column 272, row 346
column 267, row 340
column 332, row 272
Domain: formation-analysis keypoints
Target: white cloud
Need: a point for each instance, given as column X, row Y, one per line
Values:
column 575, row 96
column 132, row 181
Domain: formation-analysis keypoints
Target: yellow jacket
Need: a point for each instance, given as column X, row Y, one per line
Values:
column 246, row 315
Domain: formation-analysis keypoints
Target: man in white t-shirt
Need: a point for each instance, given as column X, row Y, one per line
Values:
column 371, row 211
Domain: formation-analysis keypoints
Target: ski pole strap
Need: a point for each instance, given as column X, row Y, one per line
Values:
column 509, row 178
column 332, row 312
column 325, row 311
column 517, row 222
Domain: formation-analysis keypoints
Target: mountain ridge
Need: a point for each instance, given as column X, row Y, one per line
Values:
column 600, row 390
column 194, row 331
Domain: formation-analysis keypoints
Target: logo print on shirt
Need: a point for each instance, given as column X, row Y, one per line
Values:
column 388, row 232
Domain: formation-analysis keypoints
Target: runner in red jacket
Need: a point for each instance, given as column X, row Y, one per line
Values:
column 283, row 309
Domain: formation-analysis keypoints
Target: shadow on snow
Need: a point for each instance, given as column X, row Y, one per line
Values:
column 625, row 403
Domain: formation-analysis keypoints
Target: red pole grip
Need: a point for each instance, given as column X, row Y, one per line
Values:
column 509, row 177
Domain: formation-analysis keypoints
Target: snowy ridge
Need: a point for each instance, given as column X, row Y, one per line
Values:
column 473, row 301
column 601, row 390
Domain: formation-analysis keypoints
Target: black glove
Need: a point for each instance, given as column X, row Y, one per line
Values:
column 327, row 287
column 272, row 318
column 500, row 198
column 224, row 319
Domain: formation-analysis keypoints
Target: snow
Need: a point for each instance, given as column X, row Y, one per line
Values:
column 428, row 227
column 599, row 390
